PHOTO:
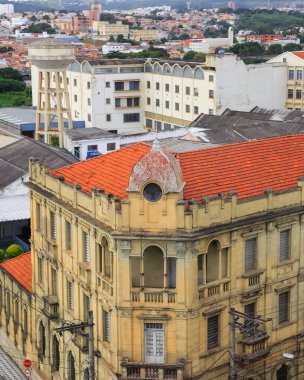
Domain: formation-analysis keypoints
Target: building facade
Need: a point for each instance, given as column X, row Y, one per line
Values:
column 132, row 95
column 294, row 72
column 160, row 248
column 105, row 30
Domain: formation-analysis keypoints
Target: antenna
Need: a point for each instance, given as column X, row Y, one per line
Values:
column 188, row 5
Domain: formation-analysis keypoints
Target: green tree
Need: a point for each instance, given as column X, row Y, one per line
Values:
column 111, row 39
column 247, row 49
column 120, row 38
column 55, row 140
column 108, row 17
column 292, row 47
column 9, row 85
column 189, row 56
column 39, row 28
column 10, row 73
column 2, row 255
column 275, row 49
column 14, row 250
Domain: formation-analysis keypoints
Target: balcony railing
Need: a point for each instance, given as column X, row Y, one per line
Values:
column 211, row 290
column 132, row 370
column 147, row 296
column 105, row 284
column 51, row 306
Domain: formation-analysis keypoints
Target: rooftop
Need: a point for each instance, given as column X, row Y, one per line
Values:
column 248, row 168
column 20, row 268
column 14, row 158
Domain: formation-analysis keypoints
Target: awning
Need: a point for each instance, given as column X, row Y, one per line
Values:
column 14, row 208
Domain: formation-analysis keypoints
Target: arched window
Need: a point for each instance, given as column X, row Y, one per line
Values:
column 167, row 70
column 177, row 71
column 41, row 333
column 71, row 367
column 104, row 258
column 283, row 373
column 198, row 73
column 16, row 319
column 157, row 68
column 213, row 265
column 55, row 354
column 188, row 73
column 148, row 67
column 86, row 374
column 25, row 323
column 86, row 67
column 75, row 66
column 153, row 267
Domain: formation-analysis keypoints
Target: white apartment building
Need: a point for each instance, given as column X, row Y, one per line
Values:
column 127, row 96
column 111, row 47
column 6, row 9
column 207, row 45
column 294, row 87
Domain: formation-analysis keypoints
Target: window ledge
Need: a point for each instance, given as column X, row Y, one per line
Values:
column 251, row 273
column 285, row 262
column 283, row 325
column 213, row 351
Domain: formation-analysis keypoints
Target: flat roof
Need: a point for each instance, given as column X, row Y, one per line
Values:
column 18, row 115
column 89, row 133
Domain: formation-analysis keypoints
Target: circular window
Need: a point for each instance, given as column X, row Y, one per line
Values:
column 152, row 192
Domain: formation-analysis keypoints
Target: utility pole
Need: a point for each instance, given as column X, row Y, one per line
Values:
column 73, row 328
column 232, row 373
column 248, row 325
column 91, row 346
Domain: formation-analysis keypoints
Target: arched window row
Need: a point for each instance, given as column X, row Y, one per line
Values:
column 213, row 265
column 153, row 269
column 176, row 70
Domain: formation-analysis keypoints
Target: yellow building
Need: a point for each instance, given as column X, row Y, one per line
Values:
column 144, row 34
column 161, row 246
column 105, row 30
column 295, row 84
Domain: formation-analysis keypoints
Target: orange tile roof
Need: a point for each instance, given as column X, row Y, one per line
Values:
column 20, row 268
column 110, row 172
column 247, row 168
column 299, row 54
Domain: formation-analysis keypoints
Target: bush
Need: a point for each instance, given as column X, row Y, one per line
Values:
column 2, row 255
column 7, row 85
column 14, row 250
column 10, row 73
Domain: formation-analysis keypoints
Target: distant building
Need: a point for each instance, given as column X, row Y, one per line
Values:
column 105, row 30
column 232, row 4
column 111, row 47
column 208, row 45
column 144, row 34
column 6, row 9
column 294, row 84
column 130, row 95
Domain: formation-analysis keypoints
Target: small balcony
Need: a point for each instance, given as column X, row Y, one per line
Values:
column 213, row 290
column 153, row 297
column 51, row 306
column 252, row 280
column 81, row 340
column 134, row 371
column 254, row 347
column 85, row 273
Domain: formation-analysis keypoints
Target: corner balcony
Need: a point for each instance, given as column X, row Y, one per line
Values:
column 149, row 296
column 254, row 347
column 132, row 371
column 212, row 290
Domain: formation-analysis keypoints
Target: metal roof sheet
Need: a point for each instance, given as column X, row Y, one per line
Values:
column 14, row 208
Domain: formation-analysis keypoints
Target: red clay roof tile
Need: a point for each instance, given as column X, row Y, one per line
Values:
column 247, row 168
column 20, row 268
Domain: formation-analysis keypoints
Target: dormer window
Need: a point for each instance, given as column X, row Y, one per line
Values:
column 152, row 192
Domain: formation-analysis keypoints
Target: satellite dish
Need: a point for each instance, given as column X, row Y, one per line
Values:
column 221, row 52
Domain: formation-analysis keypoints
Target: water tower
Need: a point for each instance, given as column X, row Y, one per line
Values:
column 51, row 57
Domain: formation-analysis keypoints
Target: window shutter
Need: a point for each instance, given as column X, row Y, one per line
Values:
column 200, row 269
column 70, row 295
column 249, row 309
column 107, row 334
column 283, row 307
column 53, row 225
column 68, row 235
column 39, row 212
column 213, row 333
column 250, row 254
column 284, row 245
column 86, row 247
column 172, row 272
